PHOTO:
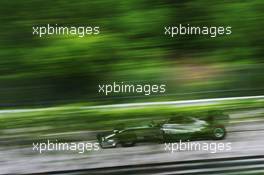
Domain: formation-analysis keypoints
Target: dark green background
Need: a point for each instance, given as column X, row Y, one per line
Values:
column 131, row 48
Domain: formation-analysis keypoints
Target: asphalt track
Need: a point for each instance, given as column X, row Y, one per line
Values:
column 246, row 138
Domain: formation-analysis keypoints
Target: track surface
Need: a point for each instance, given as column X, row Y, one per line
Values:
column 246, row 140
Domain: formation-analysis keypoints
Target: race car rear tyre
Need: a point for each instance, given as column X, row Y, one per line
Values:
column 219, row 133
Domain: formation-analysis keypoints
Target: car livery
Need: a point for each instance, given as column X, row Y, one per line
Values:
column 173, row 129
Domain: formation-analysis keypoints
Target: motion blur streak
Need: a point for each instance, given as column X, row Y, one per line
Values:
column 49, row 84
column 131, row 46
column 182, row 103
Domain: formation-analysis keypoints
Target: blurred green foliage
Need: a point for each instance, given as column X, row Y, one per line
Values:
column 131, row 47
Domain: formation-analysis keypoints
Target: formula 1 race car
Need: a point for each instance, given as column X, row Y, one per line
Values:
column 174, row 129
